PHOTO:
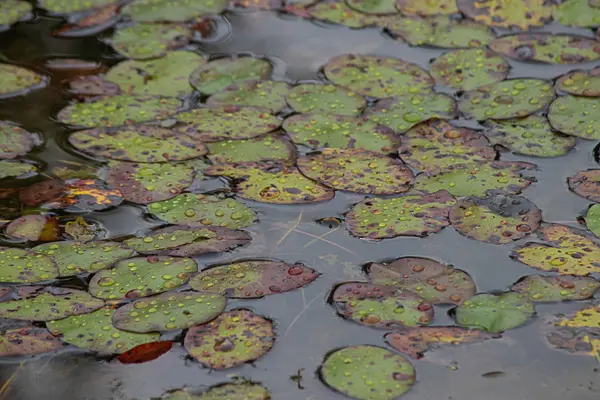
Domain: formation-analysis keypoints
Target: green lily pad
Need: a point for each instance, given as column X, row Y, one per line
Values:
column 13, row 11
column 17, row 169
column 234, row 338
column 477, row 179
column 431, row 280
column 145, row 41
column 523, row 14
column 354, row 370
column 34, row 227
column 27, row 340
column 496, row 219
column 230, row 391
column 540, row 288
column 166, row 76
column 18, row 81
column 23, row 266
column 436, row 145
column 267, row 147
column 221, row 73
column 272, row 182
column 531, row 136
column 580, row 83
column 168, row 311
column 339, row 131
column 426, row 8
column 141, row 277
column 172, row 11
column 253, row 278
column 357, row 170
column 74, row 258
column 493, row 313
column 469, row 69
column 412, row 215
column 212, row 124
column 592, row 219
column 378, row 77
column 147, row 183
column 576, row 116
column 547, row 48
column 95, row 332
column 142, row 143
column 338, row 12
column 586, row 184
column 202, row 210
column 73, row 6
column 15, row 141
column 512, row 98
column 265, row 94
column 38, row 303
column 325, row 99
column 376, row 7
column 580, row 13
column 119, row 110
column 402, row 113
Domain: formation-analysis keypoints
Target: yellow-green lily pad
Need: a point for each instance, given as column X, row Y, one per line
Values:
column 13, row 11
column 540, row 288
column 495, row 313
column 426, row 8
column 580, row 83
column 376, row 7
column 325, row 99
column 576, row 116
column 547, row 48
column 145, row 41
column 523, row 14
column 265, row 94
column 17, row 169
column 18, row 81
column 223, row 72
column 580, row 13
column 338, row 12
column 172, row 10
column 23, row 266
column 267, row 147
column 73, row 6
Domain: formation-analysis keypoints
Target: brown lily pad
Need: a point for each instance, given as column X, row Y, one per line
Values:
column 540, row 288
column 27, row 340
column 586, row 184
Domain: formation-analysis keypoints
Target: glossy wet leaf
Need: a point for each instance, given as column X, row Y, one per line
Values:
column 267, row 147
column 230, row 391
column 325, row 99
column 141, row 277
column 354, row 370
column 12, row 11
column 17, row 170
column 145, row 352
column 376, row 7
column 73, row 6
column 592, row 219
column 511, row 98
column 586, row 184
column 95, row 332
column 338, row 12
column 172, row 11
column 34, row 227
column 168, row 311
column 496, row 219
column 219, row 74
column 17, row 81
column 431, row 280
column 23, row 266
column 202, row 210
column 265, row 94
column 145, row 41
column 377, row 77
column 580, row 13
column 495, row 313
column 357, row 170
column 580, row 83
column 15, row 141
column 234, row 338
column 426, row 8
column 540, row 288
column 523, row 14
column 27, row 340
column 578, row 333
column 577, row 116
column 253, row 278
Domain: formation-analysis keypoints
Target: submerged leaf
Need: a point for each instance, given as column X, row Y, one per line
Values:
column 495, row 313
column 223, row 72
column 540, row 288
column 547, row 48
column 523, row 14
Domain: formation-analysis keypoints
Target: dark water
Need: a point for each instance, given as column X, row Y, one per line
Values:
column 306, row 325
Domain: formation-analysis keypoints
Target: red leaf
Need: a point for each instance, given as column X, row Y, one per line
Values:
column 145, row 352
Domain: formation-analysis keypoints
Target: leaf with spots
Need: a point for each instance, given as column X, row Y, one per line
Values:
column 540, row 288
column 580, row 13
column 145, row 41
column 268, row 147
column 495, row 313
column 592, row 219
column 15, row 141
column 266, row 94
column 578, row 333
column 23, row 266
column 13, row 11
column 576, row 116
column 338, row 12
column 523, row 14
column 580, row 83
column 426, row 8
column 27, row 340
column 19, row 81
column 87, row 87
column 34, row 227
column 223, row 72
column 172, row 10
column 325, row 99
column 586, row 184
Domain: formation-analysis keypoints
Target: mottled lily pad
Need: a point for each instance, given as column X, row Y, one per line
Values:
column 13, row 11
column 426, row 8
column 267, row 147
column 511, row 98
column 496, row 219
column 27, row 340
column 338, row 12
column 145, row 41
column 73, row 6
column 592, row 219
column 22, row 266
column 202, row 210
column 357, row 170
column 15, row 141
column 378, row 77
column 580, row 13
column 95, row 332
column 141, row 277
column 581, row 83
column 380, row 306
column 234, row 338
column 230, row 391
column 577, row 116
column 354, row 370
column 495, row 313
column 325, row 99
column 412, row 215
column 172, row 11
column 219, row 74
column 547, row 48
column 586, row 184
column 168, row 311
column 376, row 7
column 433, row 281
column 469, row 69
column 540, row 288
column 17, row 169
column 38, row 303
column 523, row 14
column 85, row 87
column 34, row 227
column 265, row 94
column 18, row 81
column 578, row 333
column 253, row 278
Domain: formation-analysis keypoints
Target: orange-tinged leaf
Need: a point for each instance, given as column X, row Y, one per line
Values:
column 145, row 352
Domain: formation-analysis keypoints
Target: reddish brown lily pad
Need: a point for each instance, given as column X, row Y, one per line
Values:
column 540, row 288
column 27, row 340
column 586, row 184
column 35, row 228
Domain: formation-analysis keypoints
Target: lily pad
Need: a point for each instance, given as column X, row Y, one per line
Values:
column 13, row 11
column 353, row 370
column 431, row 280
column 267, row 147
column 580, row 83
column 376, row 7
column 469, row 69
column 265, row 94
column 412, row 215
column 338, row 12
column 95, row 332
column 142, row 143
column 202, row 210
column 74, row 258
column 325, row 99
column 23, row 266
column 272, row 182
column 172, row 11
column 15, row 141
column 141, row 277
column 402, row 113
column 145, row 41
column 580, row 13
column 540, row 288
column 378, row 77
column 17, row 170
column 511, row 98
column 73, row 6
column 253, row 278
column 523, row 14
column 576, row 116
column 234, row 338
column 586, row 184
column 547, row 48
column 357, row 170
column 168, row 311
column 147, row 183
column 221, row 73
column 426, row 8
column 166, row 76
column 18, row 81
column 578, row 333
column 85, row 87
column 38, row 303
column 592, row 219
column 496, row 219
column 493, row 313
column 27, row 340
column 34, row 227
column 230, row 391
column 380, row 306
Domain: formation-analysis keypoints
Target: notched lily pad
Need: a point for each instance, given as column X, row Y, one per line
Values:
column 18, row 81
column 325, row 99
column 268, row 147
column 27, row 340
column 495, row 313
column 221, row 73
column 13, row 11
column 523, row 14
column 577, row 116
column 145, row 41
column 34, row 227
column 541, row 288
column 338, row 12
column 580, row 13
column 23, row 266
column 15, row 141
column 265, row 94
column 426, row 8
column 580, row 83
column 172, row 11
column 586, row 184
